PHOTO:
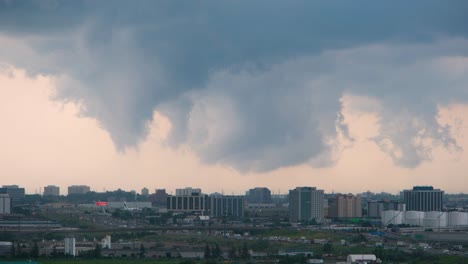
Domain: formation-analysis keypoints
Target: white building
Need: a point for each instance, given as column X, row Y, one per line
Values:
column 106, row 242
column 70, row 248
column 361, row 258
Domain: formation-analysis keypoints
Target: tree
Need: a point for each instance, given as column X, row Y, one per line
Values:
column 327, row 248
column 54, row 251
column 18, row 249
column 245, row 252
column 97, row 251
column 12, row 250
column 232, row 253
column 142, row 251
column 216, row 252
column 35, row 250
column 207, row 252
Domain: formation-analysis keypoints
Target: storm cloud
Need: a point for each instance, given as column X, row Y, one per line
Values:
column 252, row 85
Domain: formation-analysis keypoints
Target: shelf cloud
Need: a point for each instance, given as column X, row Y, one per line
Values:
column 254, row 86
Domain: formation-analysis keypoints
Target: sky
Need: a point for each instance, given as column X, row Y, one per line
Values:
column 231, row 95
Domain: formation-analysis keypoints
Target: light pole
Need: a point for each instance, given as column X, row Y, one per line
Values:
column 308, row 219
column 441, row 213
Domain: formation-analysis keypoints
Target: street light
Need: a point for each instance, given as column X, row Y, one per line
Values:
column 308, row 219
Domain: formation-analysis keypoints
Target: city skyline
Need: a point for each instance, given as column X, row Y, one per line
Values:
column 53, row 190
column 345, row 97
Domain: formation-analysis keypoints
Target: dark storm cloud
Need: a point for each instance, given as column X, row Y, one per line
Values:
column 255, row 85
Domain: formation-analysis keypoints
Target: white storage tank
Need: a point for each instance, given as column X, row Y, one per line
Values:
column 414, row 218
column 458, row 219
column 435, row 219
column 392, row 217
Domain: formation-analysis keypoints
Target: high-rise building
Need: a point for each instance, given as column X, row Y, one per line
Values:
column 344, row 206
column 78, row 189
column 51, row 190
column 423, row 198
column 16, row 193
column 306, row 204
column 5, row 204
column 375, row 208
column 258, row 195
column 144, row 191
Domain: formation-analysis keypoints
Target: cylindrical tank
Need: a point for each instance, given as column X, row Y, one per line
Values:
column 458, row 219
column 414, row 218
column 435, row 219
column 392, row 217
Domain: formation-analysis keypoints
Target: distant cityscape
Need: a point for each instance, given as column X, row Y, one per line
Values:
column 70, row 221
column 303, row 203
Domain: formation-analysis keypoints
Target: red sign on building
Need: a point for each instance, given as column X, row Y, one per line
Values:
column 101, row 203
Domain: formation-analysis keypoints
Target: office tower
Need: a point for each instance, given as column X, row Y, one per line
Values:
column 305, row 204
column 70, row 246
column 211, row 205
column 51, row 190
column 375, row 208
column 226, row 205
column 78, row 189
column 344, row 206
column 5, row 204
column 423, row 198
column 16, row 193
column 188, row 191
column 144, row 191
column 187, row 200
column 258, row 195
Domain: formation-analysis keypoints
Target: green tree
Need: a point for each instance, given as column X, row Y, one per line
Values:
column 54, row 251
column 13, row 250
column 245, row 252
column 34, row 250
column 232, row 253
column 327, row 248
column 142, row 251
column 216, row 252
column 97, row 251
column 207, row 252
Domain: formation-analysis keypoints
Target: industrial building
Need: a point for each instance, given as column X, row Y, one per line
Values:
column 425, row 219
column 375, row 208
